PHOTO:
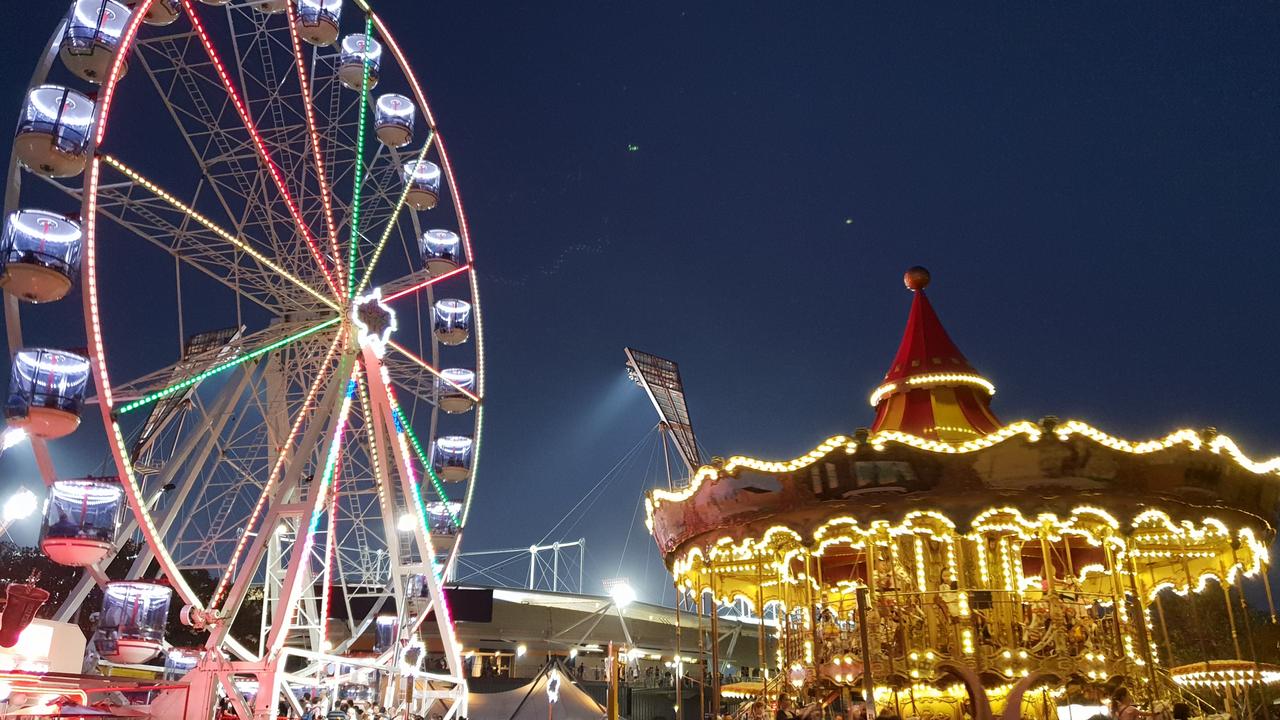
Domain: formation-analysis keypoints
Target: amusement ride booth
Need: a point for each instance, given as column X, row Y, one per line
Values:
column 943, row 561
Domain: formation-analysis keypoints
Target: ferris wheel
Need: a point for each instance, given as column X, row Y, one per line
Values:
column 283, row 334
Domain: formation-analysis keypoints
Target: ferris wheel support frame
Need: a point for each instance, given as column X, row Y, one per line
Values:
column 383, row 401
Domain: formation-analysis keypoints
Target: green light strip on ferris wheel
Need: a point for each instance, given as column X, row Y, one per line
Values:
column 422, row 458
column 391, row 223
column 359, row 176
column 184, row 384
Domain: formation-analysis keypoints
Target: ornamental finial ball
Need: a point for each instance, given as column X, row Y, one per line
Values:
column 915, row 278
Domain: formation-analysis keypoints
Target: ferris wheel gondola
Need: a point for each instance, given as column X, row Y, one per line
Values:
column 282, row 432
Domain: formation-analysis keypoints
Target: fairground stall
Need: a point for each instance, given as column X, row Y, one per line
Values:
column 943, row 561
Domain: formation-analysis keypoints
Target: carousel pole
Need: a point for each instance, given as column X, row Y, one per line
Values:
column 715, row 646
column 1143, row 635
column 1231, row 615
column 702, row 660
column 760, row 645
column 1164, row 630
column 868, row 683
column 1046, row 564
column 1266, row 584
column 897, row 602
column 1117, row 594
column 1235, row 636
column 1248, row 626
column 822, row 601
column 678, row 666
column 1186, row 571
column 811, row 607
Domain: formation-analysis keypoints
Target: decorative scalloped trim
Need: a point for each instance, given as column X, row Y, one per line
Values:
column 844, row 529
column 1032, row 431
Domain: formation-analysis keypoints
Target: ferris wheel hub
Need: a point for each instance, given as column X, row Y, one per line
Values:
column 374, row 321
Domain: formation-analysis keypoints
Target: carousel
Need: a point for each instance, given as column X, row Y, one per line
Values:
column 944, row 564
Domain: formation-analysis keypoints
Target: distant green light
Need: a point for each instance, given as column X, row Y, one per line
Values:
column 633, row 148
column 422, row 458
column 359, row 169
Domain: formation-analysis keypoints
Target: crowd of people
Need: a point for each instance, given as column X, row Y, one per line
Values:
column 320, row 708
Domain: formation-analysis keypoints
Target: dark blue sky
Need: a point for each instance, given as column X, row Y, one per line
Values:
column 1096, row 188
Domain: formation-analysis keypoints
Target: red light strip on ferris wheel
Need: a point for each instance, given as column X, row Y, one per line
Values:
column 316, row 153
column 261, row 146
column 89, row 203
column 427, row 366
column 307, row 404
column 113, row 79
column 97, row 349
column 425, row 283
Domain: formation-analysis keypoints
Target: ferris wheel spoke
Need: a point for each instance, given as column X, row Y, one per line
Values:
column 264, row 155
column 390, row 223
column 208, row 224
column 427, row 366
column 360, row 171
column 225, row 154
column 313, row 135
column 277, row 469
column 419, row 280
column 319, row 493
column 221, row 366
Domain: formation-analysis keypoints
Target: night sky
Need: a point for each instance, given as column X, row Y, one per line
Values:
column 739, row 186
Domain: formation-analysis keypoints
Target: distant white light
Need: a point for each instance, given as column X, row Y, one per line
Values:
column 406, row 523
column 20, row 505
column 521, row 649
column 12, row 436
column 623, row 594
column 573, row 653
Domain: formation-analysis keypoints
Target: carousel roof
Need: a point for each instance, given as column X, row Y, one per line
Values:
column 931, row 390
column 935, row 441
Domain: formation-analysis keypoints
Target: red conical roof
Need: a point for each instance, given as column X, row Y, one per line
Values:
column 931, row 390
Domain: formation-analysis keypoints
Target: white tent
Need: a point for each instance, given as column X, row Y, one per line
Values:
column 530, row 702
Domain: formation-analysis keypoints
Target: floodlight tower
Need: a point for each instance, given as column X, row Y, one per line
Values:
column 660, row 379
